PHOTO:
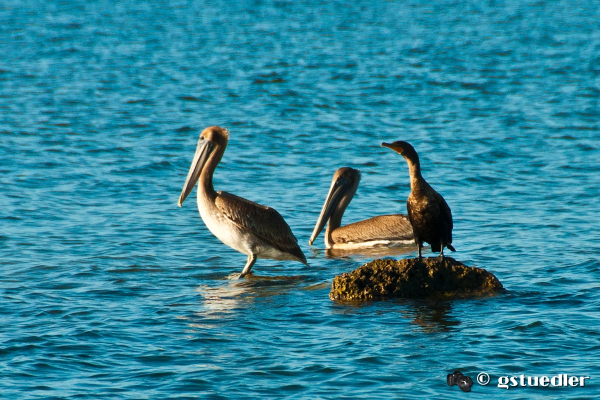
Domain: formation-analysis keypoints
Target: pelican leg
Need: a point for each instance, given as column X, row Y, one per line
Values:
column 419, row 246
column 249, row 264
column 442, row 253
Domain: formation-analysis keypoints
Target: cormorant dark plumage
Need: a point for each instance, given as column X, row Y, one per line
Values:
column 428, row 212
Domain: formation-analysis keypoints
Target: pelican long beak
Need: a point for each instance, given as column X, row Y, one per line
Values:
column 336, row 192
column 202, row 152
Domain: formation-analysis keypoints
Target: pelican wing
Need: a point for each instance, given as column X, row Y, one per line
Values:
column 384, row 227
column 264, row 222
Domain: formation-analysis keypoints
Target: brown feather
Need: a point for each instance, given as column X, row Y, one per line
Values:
column 261, row 221
column 430, row 217
column 383, row 227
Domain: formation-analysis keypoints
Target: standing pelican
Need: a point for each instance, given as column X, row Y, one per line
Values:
column 248, row 227
column 429, row 214
column 385, row 230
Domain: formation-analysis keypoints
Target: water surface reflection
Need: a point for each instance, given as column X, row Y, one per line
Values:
column 235, row 293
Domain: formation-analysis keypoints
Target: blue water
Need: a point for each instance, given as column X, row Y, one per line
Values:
column 109, row 290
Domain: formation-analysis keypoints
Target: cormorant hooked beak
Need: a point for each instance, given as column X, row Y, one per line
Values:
column 203, row 150
column 394, row 146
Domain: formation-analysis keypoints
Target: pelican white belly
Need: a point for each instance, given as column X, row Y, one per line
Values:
column 225, row 230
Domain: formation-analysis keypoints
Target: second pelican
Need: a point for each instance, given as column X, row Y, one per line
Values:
column 384, row 230
column 248, row 227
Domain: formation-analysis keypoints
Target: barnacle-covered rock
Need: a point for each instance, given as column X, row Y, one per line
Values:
column 414, row 278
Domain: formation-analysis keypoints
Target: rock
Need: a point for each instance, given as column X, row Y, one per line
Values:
column 428, row 277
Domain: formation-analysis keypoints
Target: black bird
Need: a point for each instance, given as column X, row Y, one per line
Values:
column 428, row 212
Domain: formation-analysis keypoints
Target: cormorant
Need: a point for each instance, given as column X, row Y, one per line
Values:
column 428, row 212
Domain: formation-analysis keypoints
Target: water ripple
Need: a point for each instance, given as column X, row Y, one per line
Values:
column 110, row 290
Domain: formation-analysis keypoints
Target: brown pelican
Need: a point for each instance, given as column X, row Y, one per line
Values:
column 429, row 214
column 384, row 230
column 248, row 227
